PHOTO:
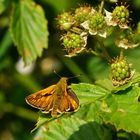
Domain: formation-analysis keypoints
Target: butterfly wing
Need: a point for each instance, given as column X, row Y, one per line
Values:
column 69, row 102
column 42, row 99
column 72, row 99
column 64, row 105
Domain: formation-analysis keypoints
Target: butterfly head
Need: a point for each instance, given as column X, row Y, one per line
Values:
column 62, row 83
column 63, row 80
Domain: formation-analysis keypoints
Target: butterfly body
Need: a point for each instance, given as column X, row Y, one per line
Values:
column 56, row 98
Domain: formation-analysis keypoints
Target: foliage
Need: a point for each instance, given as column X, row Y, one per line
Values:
column 93, row 41
column 108, row 108
column 29, row 30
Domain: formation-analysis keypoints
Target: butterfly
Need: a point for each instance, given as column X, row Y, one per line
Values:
column 58, row 98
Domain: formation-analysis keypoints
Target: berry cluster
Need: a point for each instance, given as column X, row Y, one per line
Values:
column 82, row 14
column 73, row 43
column 97, row 22
column 65, row 21
column 120, row 70
column 75, row 39
column 120, row 14
column 85, row 21
column 72, row 40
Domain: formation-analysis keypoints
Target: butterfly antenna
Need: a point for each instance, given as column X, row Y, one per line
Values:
column 74, row 76
column 57, row 74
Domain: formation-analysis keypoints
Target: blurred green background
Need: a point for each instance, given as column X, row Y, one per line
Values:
column 17, row 119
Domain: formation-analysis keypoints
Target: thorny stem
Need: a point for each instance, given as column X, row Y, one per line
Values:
column 101, row 6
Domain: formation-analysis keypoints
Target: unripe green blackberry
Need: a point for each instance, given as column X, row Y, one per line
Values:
column 97, row 22
column 65, row 21
column 82, row 14
column 72, row 40
column 73, row 43
column 120, row 70
column 120, row 15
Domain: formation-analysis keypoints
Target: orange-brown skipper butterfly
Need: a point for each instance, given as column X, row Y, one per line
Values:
column 58, row 98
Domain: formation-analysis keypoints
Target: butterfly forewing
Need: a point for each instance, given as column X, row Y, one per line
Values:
column 42, row 99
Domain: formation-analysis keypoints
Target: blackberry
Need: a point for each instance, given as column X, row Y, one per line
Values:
column 73, row 43
column 120, row 15
column 65, row 21
column 120, row 70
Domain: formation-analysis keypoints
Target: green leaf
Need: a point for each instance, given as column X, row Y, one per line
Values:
column 106, row 84
column 96, row 104
column 73, row 128
column 43, row 119
column 89, row 96
column 89, row 112
column 121, row 109
column 124, row 110
column 88, row 93
column 29, row 30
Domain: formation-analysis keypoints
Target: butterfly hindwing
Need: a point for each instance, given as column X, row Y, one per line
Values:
column 64, row 106
column 72, row 99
